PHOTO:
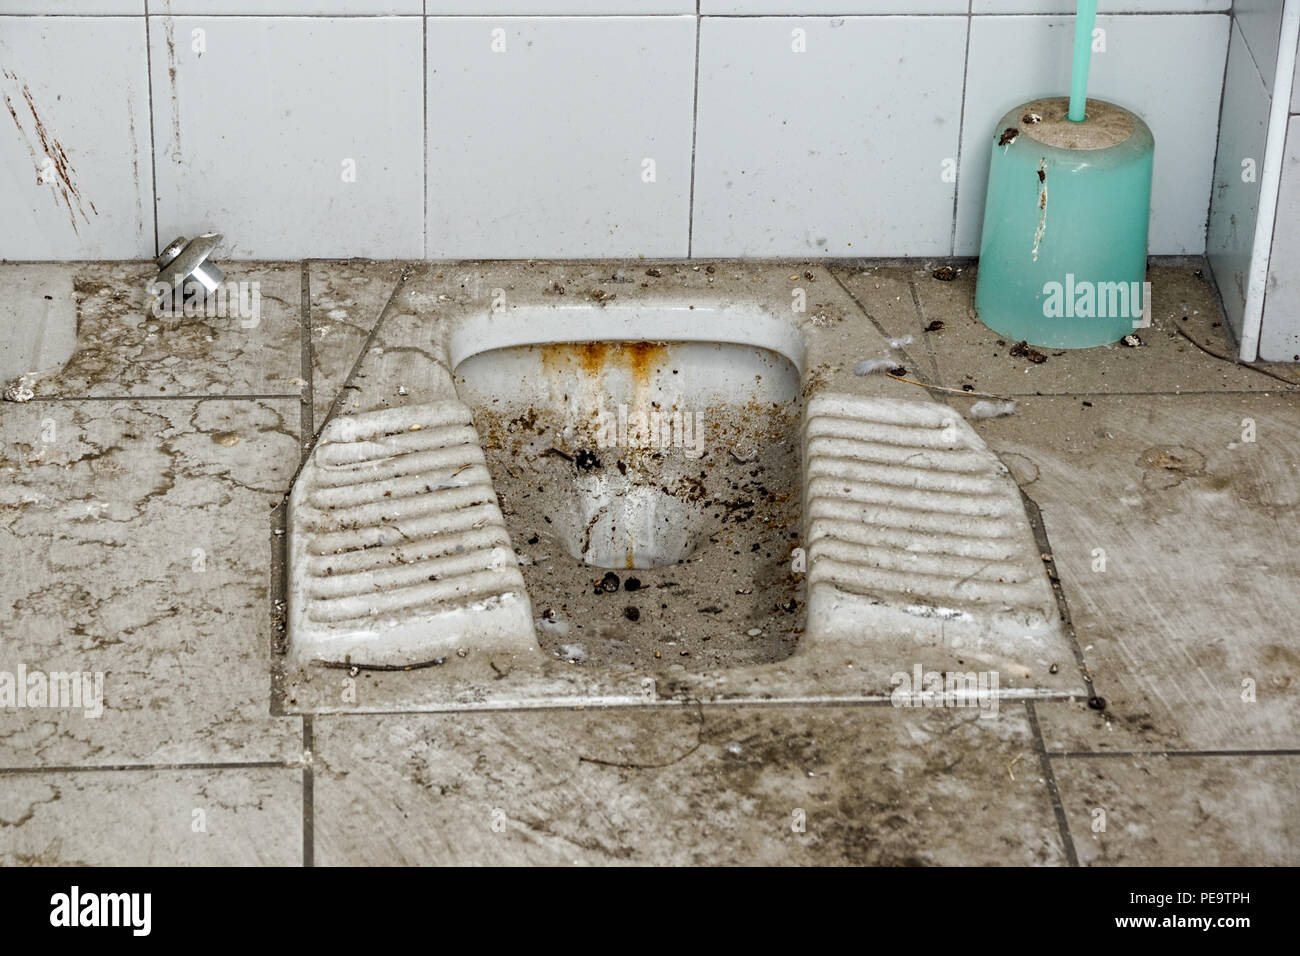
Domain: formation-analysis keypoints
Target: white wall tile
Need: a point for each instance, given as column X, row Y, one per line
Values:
column 76, row 154
column 538, row 150
column 1235, row 202
column 268, row 8
column 827, row 154
column 1295, row 87
column 251, row 136
column 1261, row 26
column 1279, row 339
column 838, row 151
column 830, row 7
column 841, row 7
column 76, row 7
column 1103, row 6
column 1167, row 69
column 558, row 8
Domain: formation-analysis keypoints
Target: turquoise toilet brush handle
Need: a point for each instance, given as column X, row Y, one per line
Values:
column 1085, row 19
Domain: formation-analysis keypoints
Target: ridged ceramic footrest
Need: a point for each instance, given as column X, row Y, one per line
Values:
column 398, row 553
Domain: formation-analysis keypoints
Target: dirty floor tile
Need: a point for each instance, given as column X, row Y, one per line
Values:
column 969, row 353
column 38, row 318
column 1172, row 521
column 124, row 349
column 403, row 366
column 347, row 299
column 1183, row 811
column 136, row 541
column 237, row 816
column 887, row 294
column 869, row 785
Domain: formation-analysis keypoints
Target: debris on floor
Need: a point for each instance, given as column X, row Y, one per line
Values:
column 872, row 366
column 984, row 409
column 552, row 624
column 944, row 273
column 1023, row 349
column 20, row 389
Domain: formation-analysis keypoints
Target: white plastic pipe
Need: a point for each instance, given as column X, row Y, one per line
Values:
column 1270, row 182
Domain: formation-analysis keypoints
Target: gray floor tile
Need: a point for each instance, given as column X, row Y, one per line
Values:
column 347, row 299
column 1176, row 546
column 969, row 353
column 876, row 785
column 238, row 816
column 887, row 294
column 136, row 540
column 124, row 349
column 1183, row 811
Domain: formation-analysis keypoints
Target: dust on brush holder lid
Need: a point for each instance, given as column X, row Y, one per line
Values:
column 1063, row 253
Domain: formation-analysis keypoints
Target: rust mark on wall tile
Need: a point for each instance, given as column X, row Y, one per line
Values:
column 169, row 36
column 50, row 158
column 135, row 165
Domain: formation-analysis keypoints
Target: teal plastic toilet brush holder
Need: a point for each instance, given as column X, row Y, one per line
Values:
column 1063, row 253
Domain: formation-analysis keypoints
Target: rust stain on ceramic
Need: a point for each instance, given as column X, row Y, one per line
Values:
column 640, row 359
column 592, row 356
column 55, row 157
column 643, row 358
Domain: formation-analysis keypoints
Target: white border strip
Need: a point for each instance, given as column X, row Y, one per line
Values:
column 1270, row 183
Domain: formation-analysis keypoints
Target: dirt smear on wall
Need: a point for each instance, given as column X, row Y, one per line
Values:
column 49, row 156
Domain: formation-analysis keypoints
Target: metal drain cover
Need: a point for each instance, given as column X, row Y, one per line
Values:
column 398, row 553
column 915, row 529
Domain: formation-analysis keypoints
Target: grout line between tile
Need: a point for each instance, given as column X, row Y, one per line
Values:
column 308, row 796
column 919, row 308
column 1187, row 393
column 586, row 703
column 166, row 398
column 961, row 123
column 356, row 367
column 879, row 328
column 153, row 159
column 1065, row 11
column 1214, row 163
column 695, row 122
column 147, row 767
column 424, row 99
column 278, row 597
column 1035, row 516
column 860, row 14
column 307, row 430
column 1054, row 791
column 1090, row 754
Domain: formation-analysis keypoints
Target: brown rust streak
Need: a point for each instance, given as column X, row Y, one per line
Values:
column 592, row 356
column 135, row 164
column 639, row 358
column 169, row 35
column 643, row 359
column 64, row 171
column 66, row 186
